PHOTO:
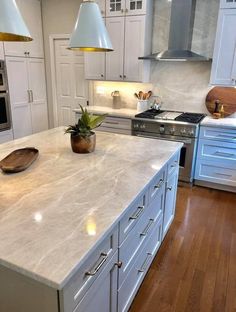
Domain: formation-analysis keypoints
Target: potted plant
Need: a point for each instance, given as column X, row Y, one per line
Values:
column 83, row 139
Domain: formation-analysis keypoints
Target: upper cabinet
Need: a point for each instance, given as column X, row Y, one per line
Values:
column 224, row 58
column 227, row 4
column 31, row 11
column 1, row 51
column 131, row 38
column 126, row 7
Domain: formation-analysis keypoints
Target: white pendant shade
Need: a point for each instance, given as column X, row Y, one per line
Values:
column 12, row 25
column 90, row 33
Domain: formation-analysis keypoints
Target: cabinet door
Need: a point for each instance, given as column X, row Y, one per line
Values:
column 228, row 4
column 6, row 136
column 134, row 47
column 115, row 7
column 170, row 200
column 19, row 97
column 102, row 6
column 95, row 65
column 224, row 63
column 136, row 7
column 102, row 295
column 1, row 51
column 38, row 98
column 31, row 12
column 115, row 59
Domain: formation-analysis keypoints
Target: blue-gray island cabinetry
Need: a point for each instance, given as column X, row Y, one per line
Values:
column 79, row 232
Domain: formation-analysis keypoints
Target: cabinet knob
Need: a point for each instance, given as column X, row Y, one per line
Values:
column 121, row 76
column 169, row 188
column 119, row 264
column 124, row 76
column 126, row 10
column 122, row 11
column 102, row 75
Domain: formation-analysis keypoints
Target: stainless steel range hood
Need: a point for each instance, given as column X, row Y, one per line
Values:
column 180, row 36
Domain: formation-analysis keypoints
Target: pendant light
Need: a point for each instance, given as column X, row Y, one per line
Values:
column 90, row 33
column 12, row 25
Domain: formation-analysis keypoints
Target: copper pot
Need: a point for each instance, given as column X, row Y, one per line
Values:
column 81, row 144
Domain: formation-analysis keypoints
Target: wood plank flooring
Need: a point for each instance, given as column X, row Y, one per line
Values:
column 195, row 268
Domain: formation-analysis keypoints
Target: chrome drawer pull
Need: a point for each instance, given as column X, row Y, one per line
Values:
column 103, row 257
column 147, row 228
column 137, row 214
column 145, row 264
column 159, row 184
column 224, row 154
column 223, row 174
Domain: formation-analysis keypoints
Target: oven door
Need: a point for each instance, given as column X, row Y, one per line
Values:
column 4, row 112
column 3, row 86
column 187, row 159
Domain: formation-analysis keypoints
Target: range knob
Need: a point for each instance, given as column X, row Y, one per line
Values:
column 136, row 125
column 183, row 131
column 191, row 133
column 162, row 129
column 142, row 126
column 172, row 130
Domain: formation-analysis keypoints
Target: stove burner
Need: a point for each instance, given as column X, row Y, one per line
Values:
column 149, row 114
column 190, row 117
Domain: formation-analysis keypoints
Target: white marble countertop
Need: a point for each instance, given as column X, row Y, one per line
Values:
column 121, row 112
column 222, row 122
column 46, row 211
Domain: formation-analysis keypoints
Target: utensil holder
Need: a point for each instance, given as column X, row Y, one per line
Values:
column 142, row 105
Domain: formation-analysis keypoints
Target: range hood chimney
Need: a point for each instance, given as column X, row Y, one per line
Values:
column 180, row 36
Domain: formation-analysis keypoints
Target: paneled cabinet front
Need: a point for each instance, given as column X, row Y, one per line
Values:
column 31, row 12
column 27, row 88
column 1, row 51
column 224, row 59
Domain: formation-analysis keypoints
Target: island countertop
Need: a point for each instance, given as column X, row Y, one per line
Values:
column 53, row 213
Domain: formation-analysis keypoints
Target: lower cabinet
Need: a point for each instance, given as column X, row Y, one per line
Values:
column 102, row 295
column 6, row 136
column 216, row 158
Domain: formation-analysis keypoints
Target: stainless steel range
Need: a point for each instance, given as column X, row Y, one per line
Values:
column 172, row 126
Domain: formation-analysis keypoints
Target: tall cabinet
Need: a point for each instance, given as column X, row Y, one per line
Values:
column 224, row 59
column 129, row 24
column 26, row 75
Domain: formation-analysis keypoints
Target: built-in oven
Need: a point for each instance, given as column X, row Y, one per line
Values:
column 4, row 112
column 3, row 78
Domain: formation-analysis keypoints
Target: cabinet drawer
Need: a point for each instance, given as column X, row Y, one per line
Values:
column 89, row 271
column 140, row 234
column 131, row 218
column 114, row 130
column 214, row 150
column 117, row 122
column 219, row 134
column 172, row 165
column 137, row 273
column 156, row 185
column 216, row 172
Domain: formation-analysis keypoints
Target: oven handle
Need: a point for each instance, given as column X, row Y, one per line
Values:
column 185, row 141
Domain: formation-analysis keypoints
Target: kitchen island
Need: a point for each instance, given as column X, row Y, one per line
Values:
column 70, row 222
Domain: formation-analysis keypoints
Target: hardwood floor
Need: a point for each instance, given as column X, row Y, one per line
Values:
column 195, row 268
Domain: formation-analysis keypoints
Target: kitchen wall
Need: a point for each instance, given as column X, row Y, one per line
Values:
column 59, row 17
column 182, row 85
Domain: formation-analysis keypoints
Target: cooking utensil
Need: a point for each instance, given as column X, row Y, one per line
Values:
column 226, row 96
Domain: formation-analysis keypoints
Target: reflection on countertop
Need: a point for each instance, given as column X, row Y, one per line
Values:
column 228, row 122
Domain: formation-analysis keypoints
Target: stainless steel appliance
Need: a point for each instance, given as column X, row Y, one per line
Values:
column 4, row 100
column 172, row 126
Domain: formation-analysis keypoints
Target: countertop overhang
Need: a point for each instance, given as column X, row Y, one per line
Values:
column 54, row 213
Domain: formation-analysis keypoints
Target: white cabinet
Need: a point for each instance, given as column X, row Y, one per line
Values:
column 31, row 12
column 224, row 59
column 216, row 161
column 27, row 90
column 102, row 295
column 1, row 51
column 6, row 136
column 126, row 7
column 95, row 65
column 115, row 59
column 227, row 4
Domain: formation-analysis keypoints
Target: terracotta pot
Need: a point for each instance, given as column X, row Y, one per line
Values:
column 82, row 145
